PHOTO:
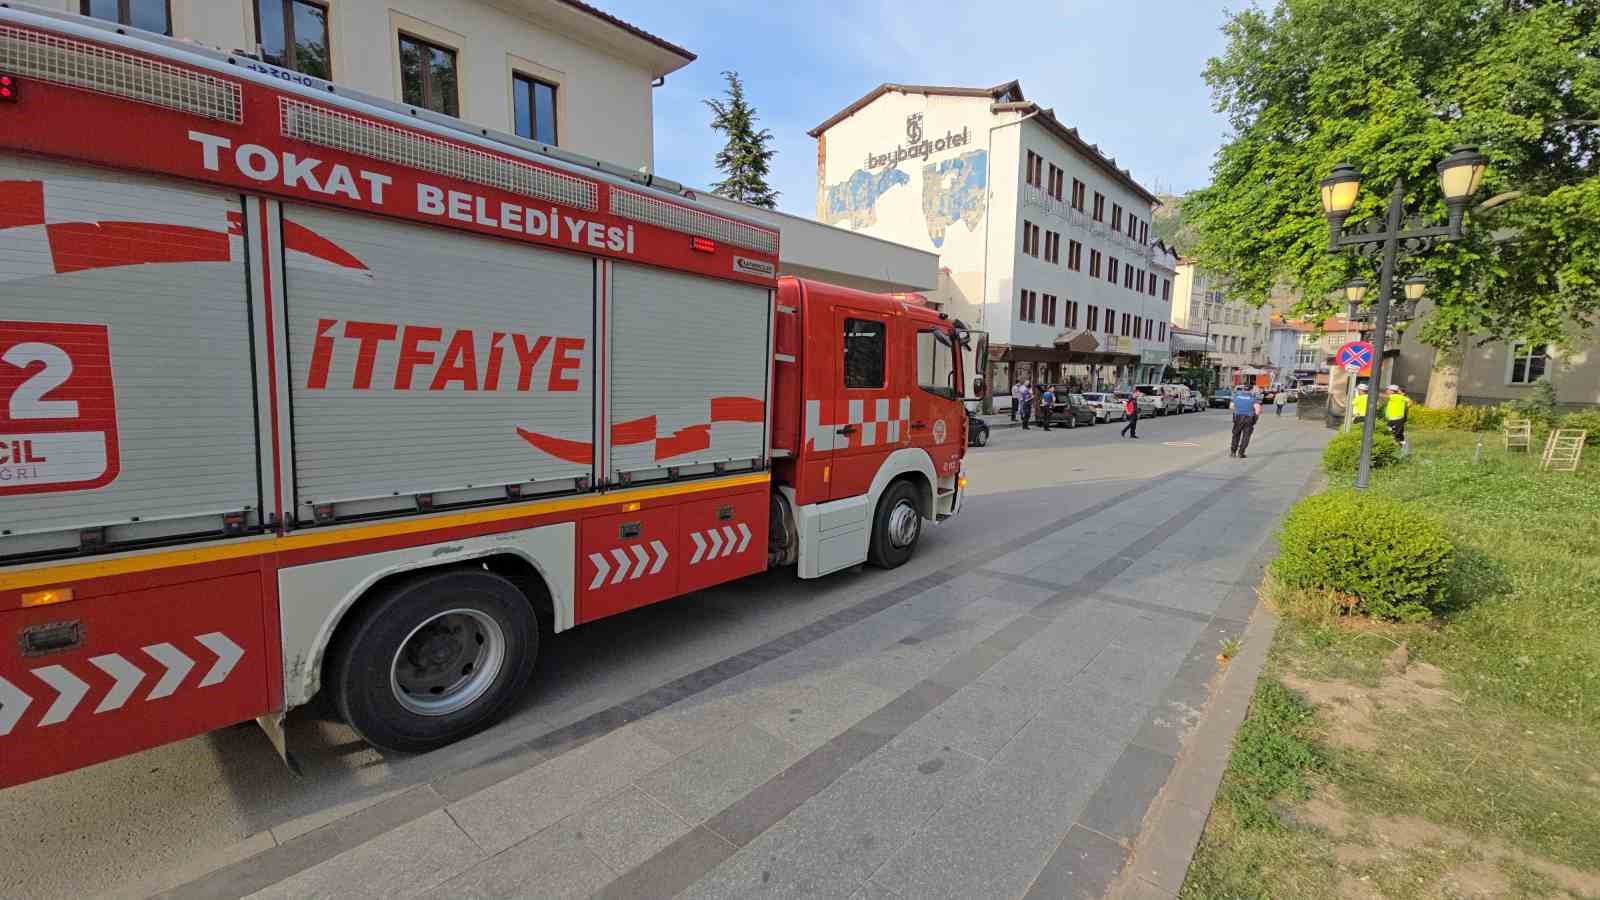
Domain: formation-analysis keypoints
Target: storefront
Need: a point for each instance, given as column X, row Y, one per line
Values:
column 1080, row 359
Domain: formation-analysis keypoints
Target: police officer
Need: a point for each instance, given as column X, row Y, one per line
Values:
column 1358, row 406
column 1396, row 409
column 1246, row 410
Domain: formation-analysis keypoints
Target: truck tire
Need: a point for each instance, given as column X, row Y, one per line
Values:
column 434, row 660
column 896, row 526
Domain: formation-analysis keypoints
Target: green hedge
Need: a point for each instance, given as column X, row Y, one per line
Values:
column 1462, row 418
column 1393, row 560
column 1588, row 420
column 1343, row 452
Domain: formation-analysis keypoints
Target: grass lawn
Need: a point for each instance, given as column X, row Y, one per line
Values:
column 1473, row 770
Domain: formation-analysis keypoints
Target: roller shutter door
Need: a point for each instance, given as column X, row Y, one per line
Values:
column 126, row 396
column 426, row 361
column 689, row 365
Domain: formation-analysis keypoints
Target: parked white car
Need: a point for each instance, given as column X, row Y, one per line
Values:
column 1160, row 397
column 1107, row 408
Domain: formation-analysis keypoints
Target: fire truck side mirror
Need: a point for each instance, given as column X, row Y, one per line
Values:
column 979, row 389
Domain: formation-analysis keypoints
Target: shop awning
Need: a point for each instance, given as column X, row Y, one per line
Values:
column 1187, row 343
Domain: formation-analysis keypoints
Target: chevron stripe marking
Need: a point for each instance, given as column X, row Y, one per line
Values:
column 661, row 556
column 69, row 693
column 228, row 655
column 699, row 547
column 727, row 534
column 601, row 570
column 621, row 557
column 177, row 665
column 744, row 537
column 128, row 677
column 643, row 557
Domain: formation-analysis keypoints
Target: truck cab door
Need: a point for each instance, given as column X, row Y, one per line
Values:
column 938, row 419
column 870, row 410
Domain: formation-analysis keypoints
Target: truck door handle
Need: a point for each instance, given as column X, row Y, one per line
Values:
column 919, row 424
column 848, row 429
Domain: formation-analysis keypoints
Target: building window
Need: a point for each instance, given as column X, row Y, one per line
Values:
column 1148, row 325
column 863, row 353
column 1151, row 279
column 1094, row 318
column 149, row 15
column 1094, row 263
column 294, row 34
column 1035, row 169
column 1144, row 232
column 1528, row 362
column 1072, row 314
column 1052, row 247
column 1111, row 321
column 1126, row 319
column 1136, row 323
column 535, row 102
column 1138, row 280
column 1127, row 276
column 1075, row 256
column 1111, row 269
column 1161, row 333
column 1077, row 195
column 1049, row 315
column 428, row 76
column 1116, row 217
column 1056, row 178
column 1030, row 307
column 1099, row 207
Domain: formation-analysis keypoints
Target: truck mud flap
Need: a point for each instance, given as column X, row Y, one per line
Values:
column 103, row 676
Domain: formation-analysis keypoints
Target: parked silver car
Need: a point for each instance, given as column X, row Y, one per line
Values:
column 1107, row 408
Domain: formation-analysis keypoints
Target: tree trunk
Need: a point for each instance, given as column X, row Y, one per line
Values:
column 1444, row 380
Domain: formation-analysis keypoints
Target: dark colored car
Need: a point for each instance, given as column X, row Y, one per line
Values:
column 1072, row 410
column 1222, row 398
column 977, row 431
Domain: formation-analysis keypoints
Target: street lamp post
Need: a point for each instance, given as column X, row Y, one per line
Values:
column 1460, row 173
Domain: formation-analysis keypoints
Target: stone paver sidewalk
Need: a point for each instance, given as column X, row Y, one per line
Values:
column 998, row 728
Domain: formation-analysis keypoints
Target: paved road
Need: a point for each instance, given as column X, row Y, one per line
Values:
column 962, row 726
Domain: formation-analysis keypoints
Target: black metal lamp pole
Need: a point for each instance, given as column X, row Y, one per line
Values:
column 1459, row 176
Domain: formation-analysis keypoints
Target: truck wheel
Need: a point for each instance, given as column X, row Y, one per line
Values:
column 435, row 660
column 895, row 526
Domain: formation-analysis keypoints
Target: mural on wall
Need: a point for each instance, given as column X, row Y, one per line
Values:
column 855, row 200
column 953, row 190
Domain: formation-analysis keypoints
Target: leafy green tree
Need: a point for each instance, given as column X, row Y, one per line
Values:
column 1393, row 85
column 746, row 158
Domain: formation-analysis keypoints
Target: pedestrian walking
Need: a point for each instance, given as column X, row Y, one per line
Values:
column 1130, row 409
column 1246, row 410
column 1016, row 398
column 1396, row 410
column 1027, row 404
column 1047, row 406
column 1280, row 400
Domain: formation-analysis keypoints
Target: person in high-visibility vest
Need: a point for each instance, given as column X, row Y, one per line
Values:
column 1358, row 406
column 1395, row 410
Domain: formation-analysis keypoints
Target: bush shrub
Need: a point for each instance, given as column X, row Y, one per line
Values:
column 1539, row 404
column 1462, row 418
column 1343, row 452
column 1587, row 420
column 1387, row 559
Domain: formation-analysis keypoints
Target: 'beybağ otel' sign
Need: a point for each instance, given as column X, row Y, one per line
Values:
column 918, row 147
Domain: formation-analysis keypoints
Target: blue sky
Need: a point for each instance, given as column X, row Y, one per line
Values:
column 1125, row 73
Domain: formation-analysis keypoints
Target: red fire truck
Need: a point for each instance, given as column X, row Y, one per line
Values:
column 303, row 391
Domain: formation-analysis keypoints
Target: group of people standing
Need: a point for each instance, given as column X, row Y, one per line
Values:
column 1394, row 406
column 1024, row 398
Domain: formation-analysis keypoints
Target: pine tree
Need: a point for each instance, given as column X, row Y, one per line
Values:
column 746, row 158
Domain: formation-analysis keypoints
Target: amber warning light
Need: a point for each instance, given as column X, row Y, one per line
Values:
column 8, row 88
